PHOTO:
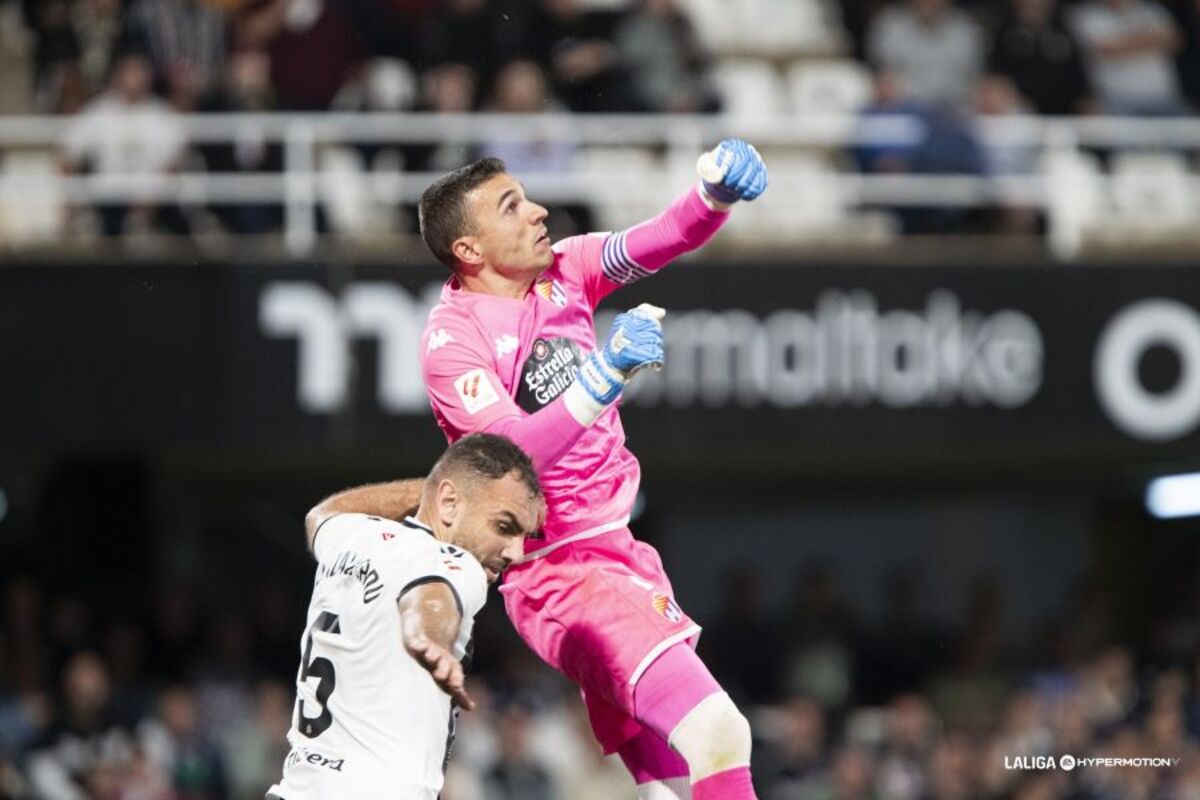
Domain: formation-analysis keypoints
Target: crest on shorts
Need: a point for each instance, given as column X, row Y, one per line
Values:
column 552, row 290
column 667, row 607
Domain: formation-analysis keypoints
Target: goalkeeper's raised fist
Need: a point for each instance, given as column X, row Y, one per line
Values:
column 732, row 171
column 636, row 342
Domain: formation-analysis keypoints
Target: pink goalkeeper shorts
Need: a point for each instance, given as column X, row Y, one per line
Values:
column 600, row 610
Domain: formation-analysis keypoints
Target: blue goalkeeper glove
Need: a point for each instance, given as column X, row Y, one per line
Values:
column 636, row 342
column 733, row 171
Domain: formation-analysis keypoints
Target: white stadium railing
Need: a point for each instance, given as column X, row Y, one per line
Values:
column 628, row 165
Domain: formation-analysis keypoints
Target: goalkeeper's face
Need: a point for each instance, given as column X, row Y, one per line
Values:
column 509, row 232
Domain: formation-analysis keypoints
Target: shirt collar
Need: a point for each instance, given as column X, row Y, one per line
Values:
column 413, row 522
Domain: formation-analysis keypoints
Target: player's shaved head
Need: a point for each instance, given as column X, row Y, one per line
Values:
column 442, row 213
column 482, row 456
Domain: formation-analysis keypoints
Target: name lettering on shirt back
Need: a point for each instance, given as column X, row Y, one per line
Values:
column 350, row 563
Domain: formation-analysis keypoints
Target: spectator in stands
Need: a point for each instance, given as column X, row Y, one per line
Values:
column 664, row 60
column 575, row 45
column 57, row 82
column 480, row 34
column 852, row 775
column 1109, row 690
column 794, row 754
column 192, row 760
column 246, row 88
column 937, row 141
column 820, row 631
column 908, row 742
column 516, row 775
column 127, row 131
column 1034, row 48
column 313, row 46
column 97, row 25
column 996, row 96
column 184, row 41
column 87, row 748
column 450, row 88
column 254, row 749
column 856, row 16
column 521, row 88
column 1129, row 46
column 936, row 50
column 1187, row 60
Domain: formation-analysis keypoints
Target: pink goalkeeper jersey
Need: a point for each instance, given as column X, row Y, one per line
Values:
column 490, row 361
column 488, row 358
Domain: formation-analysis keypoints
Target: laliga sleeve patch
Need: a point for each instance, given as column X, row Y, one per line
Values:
column 476, row 391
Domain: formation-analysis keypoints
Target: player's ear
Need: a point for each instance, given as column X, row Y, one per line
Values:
column 449, row 502
column 466, row 250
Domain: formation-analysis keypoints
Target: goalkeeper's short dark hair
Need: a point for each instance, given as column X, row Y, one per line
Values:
column 484, row 456
column 442, row 213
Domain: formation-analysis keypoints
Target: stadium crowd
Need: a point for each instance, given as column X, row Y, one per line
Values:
column 187, row 698
column 126, row 68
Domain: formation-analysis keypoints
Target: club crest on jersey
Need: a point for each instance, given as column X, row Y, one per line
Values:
column 475, row 391
column 552, row 290
column 667, row 607
column 547, row 372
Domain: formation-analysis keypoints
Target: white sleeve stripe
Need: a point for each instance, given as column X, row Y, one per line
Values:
column 616, row 264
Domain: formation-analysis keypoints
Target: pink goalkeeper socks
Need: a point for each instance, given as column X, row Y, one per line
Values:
column 732, row 784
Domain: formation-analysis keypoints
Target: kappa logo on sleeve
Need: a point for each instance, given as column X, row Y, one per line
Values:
column 439, row 338
column 476, row 391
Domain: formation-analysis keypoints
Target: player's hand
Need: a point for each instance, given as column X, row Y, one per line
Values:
column 447, row 672
column 636, row 342
column 732, row 171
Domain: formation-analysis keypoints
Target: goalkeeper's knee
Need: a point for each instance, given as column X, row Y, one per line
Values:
column 713, row 737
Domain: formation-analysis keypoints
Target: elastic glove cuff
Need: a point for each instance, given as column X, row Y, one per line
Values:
column 721, row 193
column 599, row 379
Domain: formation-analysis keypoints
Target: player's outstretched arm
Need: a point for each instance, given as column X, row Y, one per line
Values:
column 731, row 172
column 392, row 500
column 429, row 620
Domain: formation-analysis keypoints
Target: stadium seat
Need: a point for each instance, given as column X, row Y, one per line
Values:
column 345, row 189
column 31, row 216
column 787, row 27
column 619, row 177
column 806, row 192
column 805, row 204
column 748, row 87
column 717, row 23
column 828, row 87
column 1074, row 198
column 1153, row 190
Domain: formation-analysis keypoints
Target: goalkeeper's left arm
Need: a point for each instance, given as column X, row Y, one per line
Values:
column 731, row 172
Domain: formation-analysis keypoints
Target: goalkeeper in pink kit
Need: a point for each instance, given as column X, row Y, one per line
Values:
column 511, row 350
